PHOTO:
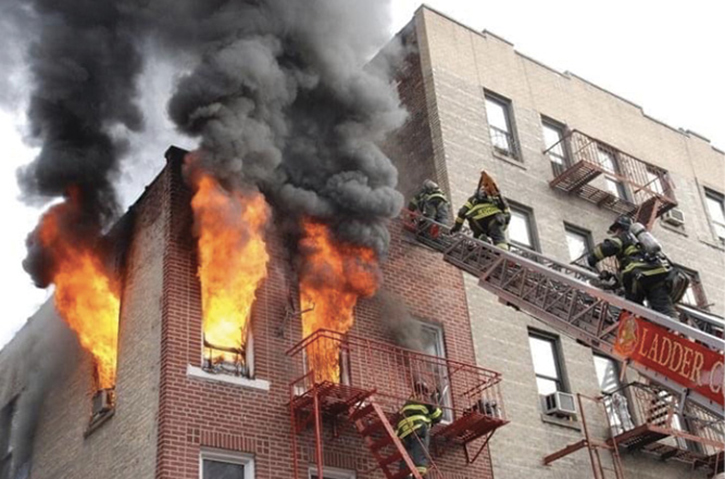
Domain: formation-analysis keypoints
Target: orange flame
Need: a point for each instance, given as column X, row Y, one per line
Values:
column 232, row 262
column 86, row 294
column 333, row 277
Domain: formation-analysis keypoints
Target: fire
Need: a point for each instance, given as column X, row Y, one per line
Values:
column 86, row 293
column 232, row 263
column 333, row 277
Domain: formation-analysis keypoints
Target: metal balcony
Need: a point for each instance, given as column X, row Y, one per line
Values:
column 651, row 419
column 373, row 372
column 610, row 178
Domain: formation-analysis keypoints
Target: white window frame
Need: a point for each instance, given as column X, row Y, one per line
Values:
column 561, row 160
column 231, row 457
column 712, row 195
column 447, row 400
column 530, row 222
column 560, row 380
column 332, row 473
column 511, row 149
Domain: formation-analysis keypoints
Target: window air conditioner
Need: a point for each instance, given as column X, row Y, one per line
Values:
column 559, row 404
column 674, row 217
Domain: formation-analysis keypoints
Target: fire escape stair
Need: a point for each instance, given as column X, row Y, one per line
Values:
column 573, row 179
column 558, row 294
column 648, row 212
column 379, row 435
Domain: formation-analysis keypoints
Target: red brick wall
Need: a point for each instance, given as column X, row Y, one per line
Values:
column 195, row 413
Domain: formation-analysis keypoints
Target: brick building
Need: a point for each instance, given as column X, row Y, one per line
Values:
column 474, row 103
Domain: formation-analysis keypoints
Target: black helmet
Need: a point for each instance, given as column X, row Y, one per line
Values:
column 623, row 222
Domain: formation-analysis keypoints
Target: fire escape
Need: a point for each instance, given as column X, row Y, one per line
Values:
column 561, row 295
column 610, row 178
column 371, row 382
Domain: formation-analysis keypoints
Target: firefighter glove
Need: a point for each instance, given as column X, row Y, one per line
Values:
column 606, row 275
column 591, row 260
column 456, row 228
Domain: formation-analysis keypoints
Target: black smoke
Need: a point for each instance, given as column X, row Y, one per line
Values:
column 282, row 98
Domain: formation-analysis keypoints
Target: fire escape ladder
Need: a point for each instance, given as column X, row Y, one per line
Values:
column 648, row 211
column 558, row 294
column 376, row 430
column 593, row 447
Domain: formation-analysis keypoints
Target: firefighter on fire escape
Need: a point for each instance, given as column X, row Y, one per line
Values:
column 645, row 272
column 487, row 212
column 419, row 414
column 431, row 202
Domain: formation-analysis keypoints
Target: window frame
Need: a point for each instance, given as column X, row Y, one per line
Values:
column 611, row 176
column 589, row 239
column 563, row 384
column 513, row 151
column 248, row 353
column 718, row 197
column 561, row 129
column 531, row 224
column 227, row 456
column 332, row 473
column 697, row 288
column 447, row 401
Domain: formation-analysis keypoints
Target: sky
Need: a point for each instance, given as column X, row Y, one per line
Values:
column 664, row 56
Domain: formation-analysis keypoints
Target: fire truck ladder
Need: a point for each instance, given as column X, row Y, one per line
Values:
column 559, row 295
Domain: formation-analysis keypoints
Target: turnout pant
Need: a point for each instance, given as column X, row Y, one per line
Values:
column 492, row 228
column 654, row 289
column 417, row 448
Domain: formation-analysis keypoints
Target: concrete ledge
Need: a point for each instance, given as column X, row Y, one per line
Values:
column 198, row 373
column 560, row 422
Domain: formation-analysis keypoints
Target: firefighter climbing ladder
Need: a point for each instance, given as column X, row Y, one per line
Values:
column 559, row 295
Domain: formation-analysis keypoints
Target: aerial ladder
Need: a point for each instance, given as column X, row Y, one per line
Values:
column 561, row 295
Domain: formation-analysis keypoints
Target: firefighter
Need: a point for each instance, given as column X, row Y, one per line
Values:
column 419, row 414
column 644, row 274
column 431, row 202
column 488, row 215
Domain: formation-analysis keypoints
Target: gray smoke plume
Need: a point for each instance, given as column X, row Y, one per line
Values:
column 402, row 327
column 49, row 351
column 82, row 62
column 281, row 98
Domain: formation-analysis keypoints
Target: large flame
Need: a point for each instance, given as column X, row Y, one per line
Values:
column 86, row 293
column 334, row 275
column 232, row 262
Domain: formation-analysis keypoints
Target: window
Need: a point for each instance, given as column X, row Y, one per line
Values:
column 617, row 406
column 695, row 294
column 716, row 209
column 234, row 362
column 332, row 473
column 500, row 126
column 554, row 145
column 521, row 229
column 608, row 162
column 654, row 182
column 547, row 365
column 433, row 345
column 216, row 464
column 578, row 241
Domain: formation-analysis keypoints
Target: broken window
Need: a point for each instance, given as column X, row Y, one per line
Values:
column 233, row 361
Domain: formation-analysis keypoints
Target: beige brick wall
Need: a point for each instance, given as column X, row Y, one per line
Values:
column 464, row 62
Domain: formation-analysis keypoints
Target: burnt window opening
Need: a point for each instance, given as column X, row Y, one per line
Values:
column 231, row 361
column 103, row 402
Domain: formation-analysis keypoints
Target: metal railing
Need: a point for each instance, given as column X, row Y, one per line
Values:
column 635, row 405
column 640, row 181
column 392, row 372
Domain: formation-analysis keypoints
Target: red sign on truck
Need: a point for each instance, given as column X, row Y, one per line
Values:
column 686, row 362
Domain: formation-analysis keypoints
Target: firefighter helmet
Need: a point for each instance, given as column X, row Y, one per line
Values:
column 623, row 222
column 430, row 185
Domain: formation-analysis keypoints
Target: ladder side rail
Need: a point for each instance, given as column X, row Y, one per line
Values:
column 612, row 299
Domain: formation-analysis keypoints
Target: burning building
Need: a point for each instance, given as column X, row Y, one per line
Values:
column 185, row 399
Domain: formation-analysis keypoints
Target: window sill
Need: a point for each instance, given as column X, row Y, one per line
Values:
column 198, row 373
column 509, row 160
column 574, row 425
column 99, row 421
column 713, row 244
column 674, row 229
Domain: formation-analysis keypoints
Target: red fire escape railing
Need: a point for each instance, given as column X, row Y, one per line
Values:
column 608, row 177
column 368, row 371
